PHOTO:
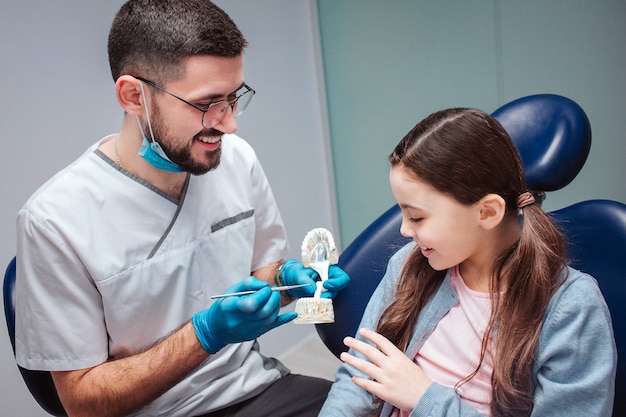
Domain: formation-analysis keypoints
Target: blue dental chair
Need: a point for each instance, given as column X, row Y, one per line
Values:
column 39, row 383
column 553, row 136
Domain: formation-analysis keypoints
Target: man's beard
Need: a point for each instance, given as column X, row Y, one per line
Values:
column 180, row 154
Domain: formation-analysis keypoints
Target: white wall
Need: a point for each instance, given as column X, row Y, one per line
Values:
column 57, row 99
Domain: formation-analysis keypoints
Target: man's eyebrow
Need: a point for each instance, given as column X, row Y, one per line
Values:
column 217, row 96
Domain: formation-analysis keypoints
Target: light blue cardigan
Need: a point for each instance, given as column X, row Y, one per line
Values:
column 576, row 358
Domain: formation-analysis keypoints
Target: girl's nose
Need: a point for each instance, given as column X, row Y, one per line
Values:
column 405, row 230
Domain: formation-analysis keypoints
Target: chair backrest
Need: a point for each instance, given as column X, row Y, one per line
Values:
column 39, row 383
column 554, row 137
column 596, row 234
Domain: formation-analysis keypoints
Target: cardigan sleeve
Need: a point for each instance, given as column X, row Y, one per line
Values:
column 577, row 357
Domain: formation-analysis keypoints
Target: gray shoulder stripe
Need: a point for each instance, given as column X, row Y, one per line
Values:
column 226, row 222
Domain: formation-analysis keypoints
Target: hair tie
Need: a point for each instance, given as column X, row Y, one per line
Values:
column 525, row 199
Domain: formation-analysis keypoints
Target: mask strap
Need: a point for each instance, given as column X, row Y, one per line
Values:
column 150, row 150
column 145, row 104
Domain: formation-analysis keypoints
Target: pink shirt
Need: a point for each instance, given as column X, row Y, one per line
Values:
column 452, row 351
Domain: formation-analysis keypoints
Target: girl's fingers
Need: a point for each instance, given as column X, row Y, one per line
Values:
column 384, row 345
column 368, row 368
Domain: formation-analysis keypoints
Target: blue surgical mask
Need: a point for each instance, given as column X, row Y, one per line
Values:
column 154, row 154
column 151, row 151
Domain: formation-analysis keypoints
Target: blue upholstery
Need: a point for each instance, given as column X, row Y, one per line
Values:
column 596, row 233
column 39, row 383
column 554, row 138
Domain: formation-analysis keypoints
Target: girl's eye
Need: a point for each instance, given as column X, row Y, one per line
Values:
column 415, row 219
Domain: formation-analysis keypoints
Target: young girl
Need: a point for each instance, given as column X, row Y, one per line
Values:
column 480, row 314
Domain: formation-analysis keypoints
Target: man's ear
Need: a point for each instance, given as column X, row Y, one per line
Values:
column 129, row 94
column 492, row 210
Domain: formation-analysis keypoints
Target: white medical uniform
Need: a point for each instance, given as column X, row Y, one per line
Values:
column 108, row 265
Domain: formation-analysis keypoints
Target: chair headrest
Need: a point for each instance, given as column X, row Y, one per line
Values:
column 553, row 136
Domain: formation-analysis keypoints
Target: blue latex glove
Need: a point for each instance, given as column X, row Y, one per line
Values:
column 295, row 273
column 240, row 318
column 338, row 279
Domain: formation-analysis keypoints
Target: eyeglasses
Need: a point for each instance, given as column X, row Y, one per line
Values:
column 214, row 114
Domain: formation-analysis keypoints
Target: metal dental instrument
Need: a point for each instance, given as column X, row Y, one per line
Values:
column 283, row 288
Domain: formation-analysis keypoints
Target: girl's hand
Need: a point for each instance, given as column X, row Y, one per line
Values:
column 396, row 379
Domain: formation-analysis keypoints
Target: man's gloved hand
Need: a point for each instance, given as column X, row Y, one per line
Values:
column 240, row 318
column 338, row 279
column 294, row 273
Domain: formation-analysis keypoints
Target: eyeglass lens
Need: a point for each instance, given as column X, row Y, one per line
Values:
column 216, row 112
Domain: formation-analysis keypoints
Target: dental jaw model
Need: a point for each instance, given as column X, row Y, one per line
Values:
column 318, row 252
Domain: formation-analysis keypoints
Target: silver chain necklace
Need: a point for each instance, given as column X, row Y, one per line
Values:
column 117, row 153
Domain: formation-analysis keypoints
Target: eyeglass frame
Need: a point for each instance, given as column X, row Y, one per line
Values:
column 249, row 90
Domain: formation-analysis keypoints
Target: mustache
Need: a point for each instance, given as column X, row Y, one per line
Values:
column 212, row 132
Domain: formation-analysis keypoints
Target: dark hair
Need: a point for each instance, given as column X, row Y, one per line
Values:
column 151, row 37
column 466, row 154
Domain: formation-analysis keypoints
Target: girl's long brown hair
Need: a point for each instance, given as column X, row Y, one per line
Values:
column 466, row 154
